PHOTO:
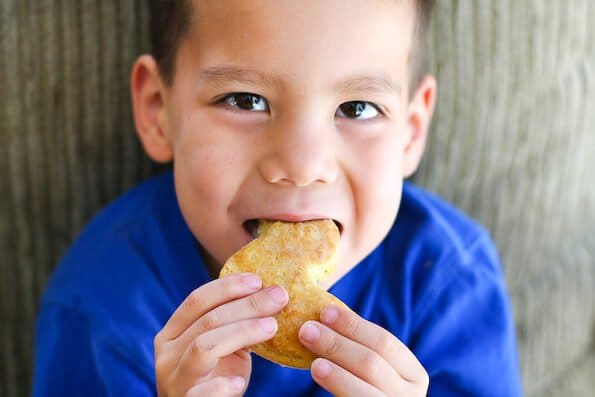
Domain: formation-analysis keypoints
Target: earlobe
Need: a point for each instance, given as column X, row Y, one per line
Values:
column 421, row 109
column 147, row 94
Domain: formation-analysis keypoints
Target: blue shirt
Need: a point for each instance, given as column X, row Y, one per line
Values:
column 435, row 282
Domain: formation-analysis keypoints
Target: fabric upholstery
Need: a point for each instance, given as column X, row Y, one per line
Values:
column 513, row 144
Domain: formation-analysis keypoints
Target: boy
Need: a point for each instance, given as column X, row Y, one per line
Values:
column 288, row 110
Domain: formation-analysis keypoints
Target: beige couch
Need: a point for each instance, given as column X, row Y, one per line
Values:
column 513, row 144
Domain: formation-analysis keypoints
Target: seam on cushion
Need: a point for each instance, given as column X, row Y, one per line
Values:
column 554, row 382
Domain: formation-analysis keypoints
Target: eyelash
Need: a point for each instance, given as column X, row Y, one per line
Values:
column 355, row 104
column 224, row 100
column 233, row 98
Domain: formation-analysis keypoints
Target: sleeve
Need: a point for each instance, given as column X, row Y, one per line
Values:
column 464, row 329
column 71, row 360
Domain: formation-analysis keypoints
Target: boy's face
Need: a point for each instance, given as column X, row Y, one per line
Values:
column 289, row 110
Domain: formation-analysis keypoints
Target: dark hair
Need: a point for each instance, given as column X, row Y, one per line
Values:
column 170, row 21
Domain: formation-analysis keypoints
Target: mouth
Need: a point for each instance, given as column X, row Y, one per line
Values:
column 251, row 226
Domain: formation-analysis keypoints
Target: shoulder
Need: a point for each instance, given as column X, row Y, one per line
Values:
column 458, row 315
column 438, row 247
column 136, row 205
column 122, row 257
column 433, row 220
column 103, row 238
column 429, row 226
column 120, row 281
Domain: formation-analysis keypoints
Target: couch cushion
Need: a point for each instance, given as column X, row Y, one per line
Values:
column 513, row 143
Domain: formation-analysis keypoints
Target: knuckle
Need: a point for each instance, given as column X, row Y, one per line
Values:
column 229, row 284
column 199, row 348
column 158, row 339
column 195, row 348
column 248, row 328
column 254, row 303
column 329, row 344
column 161, row 344
column 209, row 321
column 352, row 325
column 384, row 343
column 371, row 363
column 193, row 302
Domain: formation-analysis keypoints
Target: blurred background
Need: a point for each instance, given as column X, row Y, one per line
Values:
column 513, row 144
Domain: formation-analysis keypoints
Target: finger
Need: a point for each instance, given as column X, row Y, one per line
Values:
column 203, row 353
column 354, row 357
column 371, row 335
column 218, row 386
column 339, row 382
column 263, row 303
column 207, row 297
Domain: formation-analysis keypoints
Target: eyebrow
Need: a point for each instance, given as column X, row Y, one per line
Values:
column 234, row 74
column 360, row 84
column 370, row 84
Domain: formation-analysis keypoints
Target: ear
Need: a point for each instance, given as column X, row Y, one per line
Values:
column 419, row 113
column 147, row 91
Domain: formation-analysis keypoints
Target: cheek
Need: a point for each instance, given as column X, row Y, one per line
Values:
column 379, row 171
column 208, row 170
column 376, row 183
column 194, row 165
column 207, row 175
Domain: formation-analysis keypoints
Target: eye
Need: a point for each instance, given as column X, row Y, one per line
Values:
column 359, row 110
column 246, row 101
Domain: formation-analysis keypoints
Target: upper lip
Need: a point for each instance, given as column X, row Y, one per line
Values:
column 290, row 206
column 290, row 217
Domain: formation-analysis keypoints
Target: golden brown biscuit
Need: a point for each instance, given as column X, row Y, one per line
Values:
column 296, row 256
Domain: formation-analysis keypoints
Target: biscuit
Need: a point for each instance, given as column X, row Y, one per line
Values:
column 296, row 256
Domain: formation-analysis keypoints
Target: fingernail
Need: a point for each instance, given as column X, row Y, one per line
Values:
column 278, row 295
column 309, row 332
column 321, row 368
column 238, row 383
column 268, row 325
column 329, row 315
column 252, row 281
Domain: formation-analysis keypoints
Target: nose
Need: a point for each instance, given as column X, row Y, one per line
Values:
column 299, row 156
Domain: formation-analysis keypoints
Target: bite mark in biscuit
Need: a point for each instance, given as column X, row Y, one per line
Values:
column 295, row 256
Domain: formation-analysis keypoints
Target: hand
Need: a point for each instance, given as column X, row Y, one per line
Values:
column 359, row 358
column 203, row 348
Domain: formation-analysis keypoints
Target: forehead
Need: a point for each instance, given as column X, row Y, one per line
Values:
column 308, row 38
column 237, row 19
column 228, row 12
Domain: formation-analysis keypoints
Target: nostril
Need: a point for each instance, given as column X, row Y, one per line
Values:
column 299, row 166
